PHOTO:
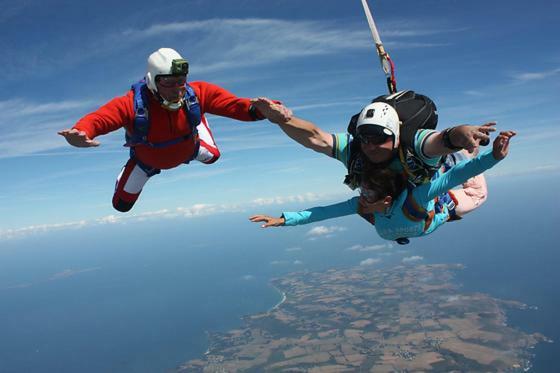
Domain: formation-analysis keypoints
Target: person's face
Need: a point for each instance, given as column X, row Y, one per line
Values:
column 171, row 88
column 376, row 151
column 370, row 202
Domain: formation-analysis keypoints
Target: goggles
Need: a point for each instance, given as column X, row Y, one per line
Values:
column 374, row 139
column 374, row 135
column 369, row 195
column 171, row 81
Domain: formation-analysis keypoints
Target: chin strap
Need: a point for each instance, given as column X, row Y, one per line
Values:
column 173, row 106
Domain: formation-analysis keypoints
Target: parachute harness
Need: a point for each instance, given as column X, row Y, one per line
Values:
column 386, row 61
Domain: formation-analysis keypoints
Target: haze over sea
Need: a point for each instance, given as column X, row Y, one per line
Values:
column 140, row 297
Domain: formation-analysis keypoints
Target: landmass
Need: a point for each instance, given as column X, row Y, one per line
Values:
column 404, row 319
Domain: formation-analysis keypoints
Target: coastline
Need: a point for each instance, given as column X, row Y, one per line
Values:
column 282, row 300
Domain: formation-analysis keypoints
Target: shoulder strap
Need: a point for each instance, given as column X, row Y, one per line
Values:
column 353, row 178
column 141, row 123
column 192, row 108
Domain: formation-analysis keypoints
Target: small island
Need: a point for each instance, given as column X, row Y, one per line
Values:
column 403, row 319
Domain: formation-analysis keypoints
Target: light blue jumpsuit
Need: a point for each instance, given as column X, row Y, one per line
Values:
column 396, row 223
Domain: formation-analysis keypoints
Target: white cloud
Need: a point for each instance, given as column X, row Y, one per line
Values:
column 278, row 262
column 399, row 30
column 370, row 261
column 71, row 272
column 322, row 230
column 298, row 262
column 408, row 45
column 335, row 104
column 41, row 228
column 196, row 210
column 412, row 259
column 532, row 76
column 280, row 200
column 109, row 219
column 241, row 41
column 370, row 248
column 31, row 127
column 248, row 277
column 475, row 93
column 18, row 108
column 293, row 249
column 544, row 169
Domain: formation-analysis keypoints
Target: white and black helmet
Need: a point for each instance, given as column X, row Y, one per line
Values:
column 377, row 118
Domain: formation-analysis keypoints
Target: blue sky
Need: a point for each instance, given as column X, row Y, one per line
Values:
column 478, row 60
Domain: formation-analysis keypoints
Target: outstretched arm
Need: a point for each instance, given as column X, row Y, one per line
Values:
column 455, row 138
column 300, row 130
column 109, row 117
column 311, row 215
column 463, row 171
column 78, row 138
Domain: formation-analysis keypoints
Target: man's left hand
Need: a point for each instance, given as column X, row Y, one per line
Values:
column 470, row 137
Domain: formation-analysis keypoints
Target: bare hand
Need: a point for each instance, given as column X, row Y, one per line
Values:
column 501, row 144
column 78, row 138
column 269, row 221
column 276, row 113
column 470, row 137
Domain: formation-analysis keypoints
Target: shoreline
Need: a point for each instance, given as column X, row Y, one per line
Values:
column 281, row 300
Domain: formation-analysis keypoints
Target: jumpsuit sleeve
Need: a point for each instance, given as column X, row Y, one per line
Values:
column 341, row 147
column 217, row 100
column 420, row 138
column 113, row 115
column 320, row 213
column 457, row 175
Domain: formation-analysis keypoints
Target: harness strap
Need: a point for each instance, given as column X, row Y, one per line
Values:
column 386, row 62
column 141, row 125
column 450, row 200
column 413, row 211
column 150, row 171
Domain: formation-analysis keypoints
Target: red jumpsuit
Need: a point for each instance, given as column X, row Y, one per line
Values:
column 165, row 125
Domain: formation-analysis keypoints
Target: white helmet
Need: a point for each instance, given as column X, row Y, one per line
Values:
column 164, row 61
column 379, row 117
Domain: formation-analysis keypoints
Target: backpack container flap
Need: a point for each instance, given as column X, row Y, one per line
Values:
column 415, row 111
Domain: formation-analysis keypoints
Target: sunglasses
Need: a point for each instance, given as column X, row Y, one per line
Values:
column 374, row 139
column 171, row 81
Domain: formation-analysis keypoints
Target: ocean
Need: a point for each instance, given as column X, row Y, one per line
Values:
column 141, row 297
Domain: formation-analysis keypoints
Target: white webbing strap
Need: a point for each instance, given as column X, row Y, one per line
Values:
column 383, row 56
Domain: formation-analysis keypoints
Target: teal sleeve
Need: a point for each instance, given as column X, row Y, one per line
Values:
column 341, row 147
column 419, row 140
column 320, row 213
column 457, row 175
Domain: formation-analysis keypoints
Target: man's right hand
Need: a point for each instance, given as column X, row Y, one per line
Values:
column 276, row 113
column 78, row 138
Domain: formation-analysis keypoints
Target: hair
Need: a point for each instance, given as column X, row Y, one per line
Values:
column 382, row 180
